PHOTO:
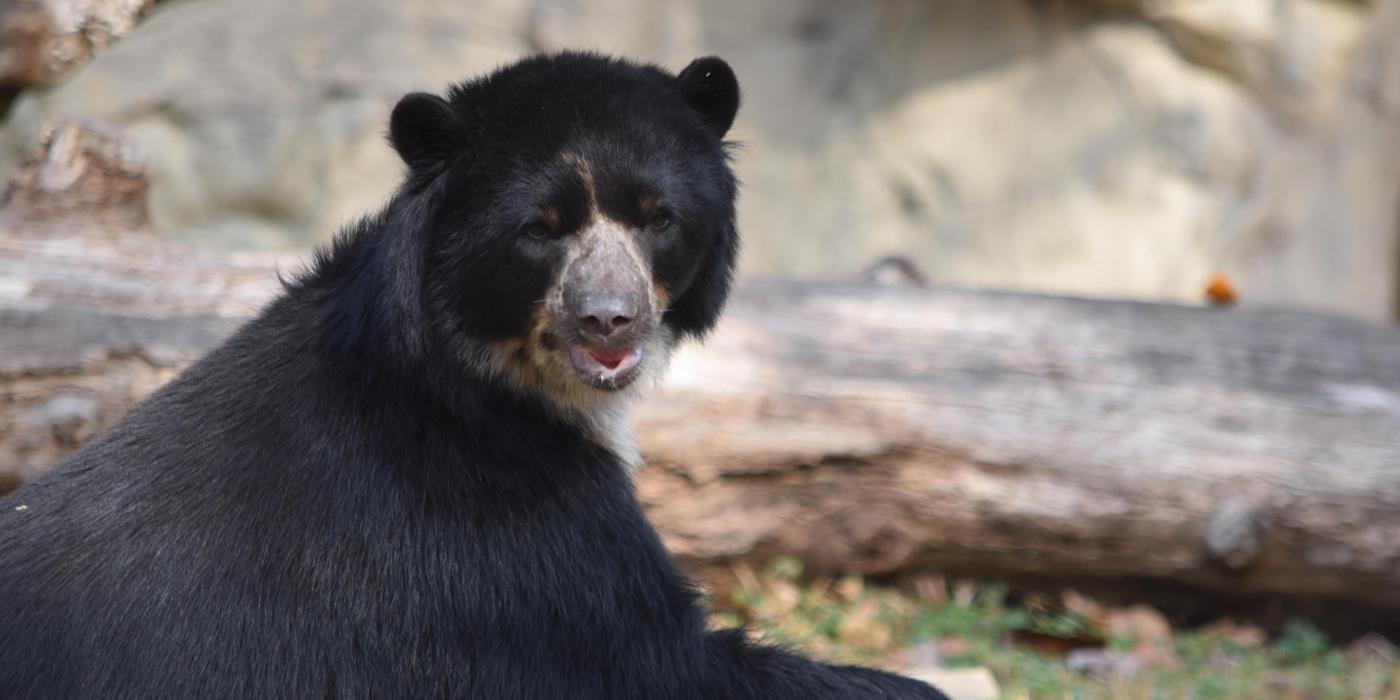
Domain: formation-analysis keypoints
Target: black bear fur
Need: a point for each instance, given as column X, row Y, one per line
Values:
column 348, row 499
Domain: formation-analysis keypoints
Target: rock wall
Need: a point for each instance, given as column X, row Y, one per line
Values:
column 1102, row 147
column 41, row 41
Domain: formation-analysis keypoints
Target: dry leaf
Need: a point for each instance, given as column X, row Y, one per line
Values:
column 1241, row 635
column 1139, row 623
column 953, row 647
column 849, row 587
column 862, row 627
column 1086, row 608
column 932, row 589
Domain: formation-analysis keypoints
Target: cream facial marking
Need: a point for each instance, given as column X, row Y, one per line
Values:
column 597, row 341
column 605, row 288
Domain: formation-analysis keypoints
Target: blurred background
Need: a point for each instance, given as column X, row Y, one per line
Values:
column 1128, row 148
column 1066, row 360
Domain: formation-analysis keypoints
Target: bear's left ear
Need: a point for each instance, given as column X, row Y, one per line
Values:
column 425, row 130
column 710, row 88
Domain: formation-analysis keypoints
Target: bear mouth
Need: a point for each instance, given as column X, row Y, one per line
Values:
column 608, row 369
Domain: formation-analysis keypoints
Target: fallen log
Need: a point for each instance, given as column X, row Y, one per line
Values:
column 882, row 430
column 877, row 429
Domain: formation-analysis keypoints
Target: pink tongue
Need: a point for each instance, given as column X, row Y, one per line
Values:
column 609, row 359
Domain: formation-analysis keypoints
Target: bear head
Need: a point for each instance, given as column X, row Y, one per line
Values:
column 579, row 216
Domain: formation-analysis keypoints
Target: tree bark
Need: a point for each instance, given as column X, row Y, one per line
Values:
column 876, row 429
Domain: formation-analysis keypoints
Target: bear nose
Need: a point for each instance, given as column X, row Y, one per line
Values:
column 602, row 314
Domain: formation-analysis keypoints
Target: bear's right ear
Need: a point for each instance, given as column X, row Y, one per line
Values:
column 425, row 130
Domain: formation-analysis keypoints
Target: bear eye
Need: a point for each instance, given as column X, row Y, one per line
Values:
column 537, row 229
column 660, row 221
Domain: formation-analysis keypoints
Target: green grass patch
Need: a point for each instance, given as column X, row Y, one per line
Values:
column 1028, row 646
